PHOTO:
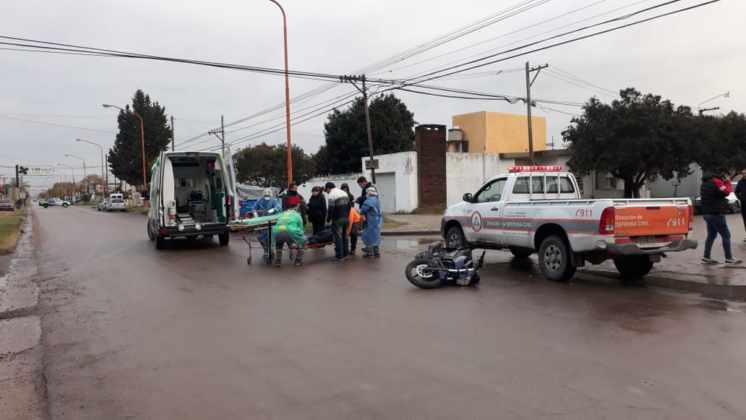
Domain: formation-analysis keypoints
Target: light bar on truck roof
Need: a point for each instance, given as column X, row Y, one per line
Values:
column 536, row 168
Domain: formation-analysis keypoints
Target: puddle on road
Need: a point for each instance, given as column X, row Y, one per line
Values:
column 412, row 243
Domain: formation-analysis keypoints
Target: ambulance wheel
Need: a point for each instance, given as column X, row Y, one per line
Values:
column 160, row 243
column 224, row 238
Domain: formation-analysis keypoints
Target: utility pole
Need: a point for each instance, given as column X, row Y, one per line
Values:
column 173, row 136
column 220, row 134
column 529, row 104
column 373, row 165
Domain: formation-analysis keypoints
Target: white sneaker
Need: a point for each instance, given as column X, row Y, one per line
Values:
column 733, row 261
column 708, row 261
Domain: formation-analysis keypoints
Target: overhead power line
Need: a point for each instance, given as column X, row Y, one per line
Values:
column 8, row 117
column 481, row 62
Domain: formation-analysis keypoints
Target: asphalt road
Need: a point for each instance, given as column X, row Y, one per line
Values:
column 195, row 333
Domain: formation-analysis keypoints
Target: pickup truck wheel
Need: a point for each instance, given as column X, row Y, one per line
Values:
column 224, row 238
column 419, row 274
column 554, row 259
column 455, row 238
column 633, row 267
column 520, row 252
column 160, row 243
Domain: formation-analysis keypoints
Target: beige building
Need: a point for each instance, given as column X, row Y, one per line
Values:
column 494, row 132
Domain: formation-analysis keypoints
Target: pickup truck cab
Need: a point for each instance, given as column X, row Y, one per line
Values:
column 539, row 209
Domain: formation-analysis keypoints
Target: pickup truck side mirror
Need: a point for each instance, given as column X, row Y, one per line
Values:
column 468, row 197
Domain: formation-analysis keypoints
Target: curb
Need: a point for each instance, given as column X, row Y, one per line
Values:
column 19, row 295
column 689, row 283
column 411, row 233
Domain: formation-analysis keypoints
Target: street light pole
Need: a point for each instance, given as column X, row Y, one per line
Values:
column 287, row 94
column 104, row 166
column 142, row 144
column 72, row 172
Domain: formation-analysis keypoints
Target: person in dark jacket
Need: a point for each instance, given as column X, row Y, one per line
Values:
column 338, row 213
column 741, row 194
column 353, row 228
column 294, row 200
column 714, row 190
column 317, row 210
column 363, row 183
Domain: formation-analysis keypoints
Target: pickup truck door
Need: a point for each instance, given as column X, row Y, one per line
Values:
column 486, row 211
column 517, row 222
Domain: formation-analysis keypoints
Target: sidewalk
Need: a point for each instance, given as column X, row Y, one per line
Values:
column 22, row 386
column 411, row 224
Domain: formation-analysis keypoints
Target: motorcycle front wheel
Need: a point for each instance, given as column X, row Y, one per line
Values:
column 418, row 273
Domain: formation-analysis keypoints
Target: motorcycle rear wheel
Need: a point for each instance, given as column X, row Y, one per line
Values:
column 419, row 274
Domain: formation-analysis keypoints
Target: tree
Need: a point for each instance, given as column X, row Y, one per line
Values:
column 392, row 126
column 125, row 158
column 721, row 143
column 636, row 138
column 266, row 166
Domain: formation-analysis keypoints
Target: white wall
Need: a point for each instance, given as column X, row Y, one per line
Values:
column 466, row 172
column 404, row 168
column 350, row 179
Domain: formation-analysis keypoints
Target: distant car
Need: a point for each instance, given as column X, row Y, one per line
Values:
column 55, row 202
column 6, row 205
column 115, row 202
column 734, row 204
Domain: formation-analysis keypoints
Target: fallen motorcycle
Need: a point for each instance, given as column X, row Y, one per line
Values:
column 439, row 267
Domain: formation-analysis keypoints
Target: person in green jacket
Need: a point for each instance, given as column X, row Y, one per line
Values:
column 289, row 230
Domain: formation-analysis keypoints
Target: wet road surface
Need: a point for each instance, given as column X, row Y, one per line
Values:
column 195, row 333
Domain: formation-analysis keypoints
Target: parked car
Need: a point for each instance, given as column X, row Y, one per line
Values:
column 52, row 202
column 539, row 209
column 115, row 202
column 191, row 195
column 734, row 204
column 6, row 205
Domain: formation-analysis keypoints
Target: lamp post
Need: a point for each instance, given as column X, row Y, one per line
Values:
column 287, row 93
column 104, row 167
column 72, row 172
column 142, row 144
column 84, row 170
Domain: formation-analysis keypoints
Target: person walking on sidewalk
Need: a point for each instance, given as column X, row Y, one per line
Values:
column 317, row 210
column 741, row 194
column 338, row 213
column 371, row 210
column 714, row 190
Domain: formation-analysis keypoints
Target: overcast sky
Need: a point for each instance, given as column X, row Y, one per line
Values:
column 688, row 58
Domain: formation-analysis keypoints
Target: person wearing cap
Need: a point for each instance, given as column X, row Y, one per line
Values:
column 267, row 204
column 371, row 210
column 338, row 213
column 289, row 230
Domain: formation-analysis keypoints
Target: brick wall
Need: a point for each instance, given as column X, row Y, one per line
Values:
column 430, row 143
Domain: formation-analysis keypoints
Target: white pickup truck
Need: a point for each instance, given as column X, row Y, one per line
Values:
column 539, row 209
